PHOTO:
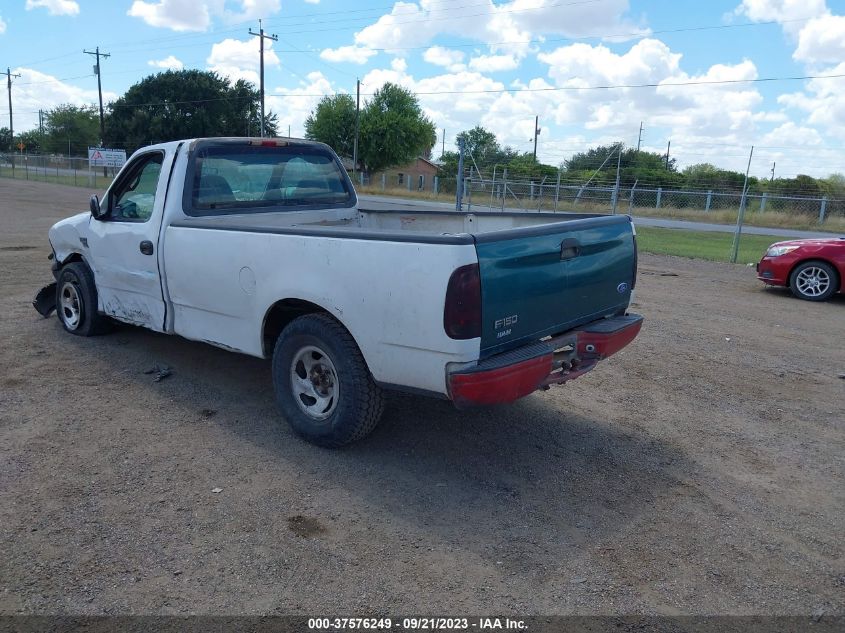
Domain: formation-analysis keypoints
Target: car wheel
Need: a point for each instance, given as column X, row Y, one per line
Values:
column 323, row 384
column 813, row 281
column 76, row 301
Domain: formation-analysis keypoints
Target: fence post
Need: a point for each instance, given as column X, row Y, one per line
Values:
column 659, row 195
column 709, row 200
column 361, row 178
column 383, row 180
column 822, row 210
column 763, row 202
column 410, row 178
column 557, row 189
column 436, row 185
column 459, row 181
column 504, row 186
column 631, row 199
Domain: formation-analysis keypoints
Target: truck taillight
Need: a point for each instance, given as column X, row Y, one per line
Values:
column 462, row 312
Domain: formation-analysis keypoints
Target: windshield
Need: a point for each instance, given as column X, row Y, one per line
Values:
column 237, row 179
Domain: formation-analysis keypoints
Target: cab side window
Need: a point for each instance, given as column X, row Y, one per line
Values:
column 134, row 196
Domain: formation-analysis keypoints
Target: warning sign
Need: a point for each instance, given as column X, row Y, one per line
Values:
column 102, row 157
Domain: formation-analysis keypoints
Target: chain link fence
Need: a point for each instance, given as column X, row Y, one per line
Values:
column 542, row 195
column 65, row 170
column 494, row 192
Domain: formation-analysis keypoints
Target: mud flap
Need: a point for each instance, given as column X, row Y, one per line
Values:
column 45, row 301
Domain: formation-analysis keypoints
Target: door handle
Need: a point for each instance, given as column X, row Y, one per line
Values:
column 147, row 247
column 569, row 248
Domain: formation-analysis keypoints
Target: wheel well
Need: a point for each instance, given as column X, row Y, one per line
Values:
column 836, row 278
column 280, row 315
column 73, row 257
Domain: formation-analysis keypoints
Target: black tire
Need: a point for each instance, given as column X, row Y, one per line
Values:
column 814, row 281
column 347, row 404
column 76, row 301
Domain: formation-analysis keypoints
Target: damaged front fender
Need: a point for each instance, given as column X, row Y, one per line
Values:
column 45, row 301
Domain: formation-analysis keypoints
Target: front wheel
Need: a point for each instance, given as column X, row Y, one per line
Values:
column 322, row 382
column 76, row 301
column 813, row 281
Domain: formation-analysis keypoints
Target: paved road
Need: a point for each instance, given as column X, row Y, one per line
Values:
column 386, row 202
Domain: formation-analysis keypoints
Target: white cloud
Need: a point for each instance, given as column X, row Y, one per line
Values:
column 168, row 63
column 313, row 1
column 350, row 54
column 450, row 59
column 792, row 134
column 35, row 90
column 493, row 63
column 254, row 9
column 293, row 105
column 239, row 59
column 822, row 40
column 505, row 27
column 822, row 102
column 196, row 15
column 54, row 7
column 790, row 13
column 399, row 64
column 177, row 15
column 2, row 26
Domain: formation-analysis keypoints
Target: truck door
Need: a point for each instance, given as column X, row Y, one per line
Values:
column 124, row 243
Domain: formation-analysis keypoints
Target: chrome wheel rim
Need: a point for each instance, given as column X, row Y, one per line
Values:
column 70, row 305
column 813, row 281
column 314, row 382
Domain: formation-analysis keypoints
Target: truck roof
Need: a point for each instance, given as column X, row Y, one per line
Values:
column 282, row 140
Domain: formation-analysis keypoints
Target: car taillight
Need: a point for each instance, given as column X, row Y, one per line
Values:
column 462, row 312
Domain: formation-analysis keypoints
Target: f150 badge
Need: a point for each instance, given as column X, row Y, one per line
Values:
column 504, row 325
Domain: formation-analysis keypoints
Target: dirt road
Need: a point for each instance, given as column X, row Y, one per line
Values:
column 699, row 472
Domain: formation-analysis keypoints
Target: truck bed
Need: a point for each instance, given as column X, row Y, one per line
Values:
column 448, row 227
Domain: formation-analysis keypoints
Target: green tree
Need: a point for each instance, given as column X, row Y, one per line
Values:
column 71, row 129
column 481, row 144
column 333, row 122
column 180, row 104
column 33, row 139
column 394, row 129
column 5, row 139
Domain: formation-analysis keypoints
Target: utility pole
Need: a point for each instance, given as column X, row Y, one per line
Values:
column 261, row 38
column 97, row 72
column 40, row 121
column 667, row 154
column 741, row 215
column 772, row 179
column 536, row 134
column 9, row 76
column 640, row 137
column 443, row 152
column 357, row 127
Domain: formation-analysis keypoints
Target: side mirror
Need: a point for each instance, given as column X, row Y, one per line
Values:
column 94, row 205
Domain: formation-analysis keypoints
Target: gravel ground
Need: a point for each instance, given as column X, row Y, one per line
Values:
column 700, row 471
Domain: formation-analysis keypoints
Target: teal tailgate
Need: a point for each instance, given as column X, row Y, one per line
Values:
column 551, row 278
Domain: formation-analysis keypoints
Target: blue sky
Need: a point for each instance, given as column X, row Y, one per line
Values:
column 480, row 62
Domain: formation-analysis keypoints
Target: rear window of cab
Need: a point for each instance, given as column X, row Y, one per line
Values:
column 248, row 178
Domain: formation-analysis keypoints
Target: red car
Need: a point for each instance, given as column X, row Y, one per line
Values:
column 812, row 269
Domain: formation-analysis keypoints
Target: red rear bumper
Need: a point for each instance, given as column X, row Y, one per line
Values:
column 512, row 375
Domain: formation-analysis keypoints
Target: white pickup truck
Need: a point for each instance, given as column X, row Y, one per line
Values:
column 258, row 246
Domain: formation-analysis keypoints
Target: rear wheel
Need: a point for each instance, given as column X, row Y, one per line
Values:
column 813, row 281
column 76, row 301
column 322, row 382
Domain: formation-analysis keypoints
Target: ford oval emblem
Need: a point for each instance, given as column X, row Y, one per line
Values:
column 622, row 288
